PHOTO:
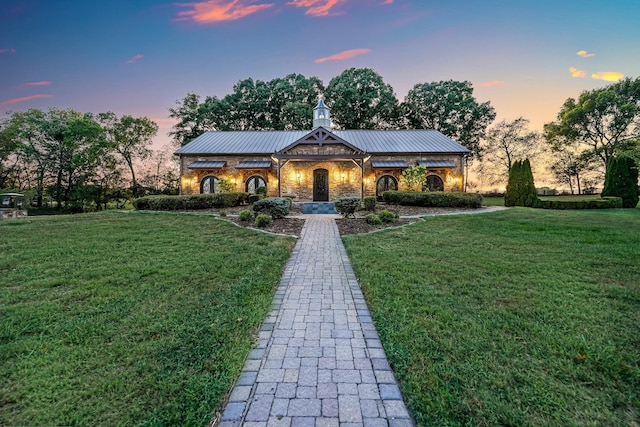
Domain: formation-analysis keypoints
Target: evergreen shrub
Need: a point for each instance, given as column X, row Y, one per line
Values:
column 275, row 207
column 347, row 206
column 433, row 199
column 387, row 216
column 370, row 203
column 621, row 180
column 373, row 219
column 603, row 203
column 188, row 201
column 263, row 220
column 521, row 190
column 245, row 215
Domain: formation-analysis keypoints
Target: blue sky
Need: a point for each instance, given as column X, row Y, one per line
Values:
column 139, row 57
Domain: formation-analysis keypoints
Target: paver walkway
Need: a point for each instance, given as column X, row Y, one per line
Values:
column 318, row 360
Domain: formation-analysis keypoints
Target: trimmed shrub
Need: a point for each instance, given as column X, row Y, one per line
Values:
column 433, row 199
column 261, row 190
column 603, row 203
column 274, row 206
column 245, row 215
column 253, row 198
column 263, row 220
column 387, row 216
column 188, row 202
column 370, row 203
column 347, row 206
column 621, row 180
column 521, row 190
column 373, row 219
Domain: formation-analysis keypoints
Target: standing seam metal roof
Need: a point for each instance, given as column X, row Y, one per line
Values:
column 370, row 141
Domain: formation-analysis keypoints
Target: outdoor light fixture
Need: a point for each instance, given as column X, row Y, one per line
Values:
column 298, row 175
column 343, row 176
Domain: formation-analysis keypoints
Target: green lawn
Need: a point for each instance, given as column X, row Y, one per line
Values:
column 519, row 317
column 128, row 318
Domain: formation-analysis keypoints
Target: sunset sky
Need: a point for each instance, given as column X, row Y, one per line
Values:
column 139, row 57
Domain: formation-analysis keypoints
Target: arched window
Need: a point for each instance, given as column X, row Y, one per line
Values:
column 209, row 185
column 255, row 182
column 434, row 183
column 386, row 183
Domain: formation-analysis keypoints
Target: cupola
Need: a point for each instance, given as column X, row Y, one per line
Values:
column 321, row 116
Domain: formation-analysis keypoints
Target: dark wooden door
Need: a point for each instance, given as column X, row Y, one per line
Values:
column 320, row 185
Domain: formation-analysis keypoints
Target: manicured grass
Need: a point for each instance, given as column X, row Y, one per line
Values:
column 499, row 201
column 492, row 201
column 519, row 317
column 128, row 318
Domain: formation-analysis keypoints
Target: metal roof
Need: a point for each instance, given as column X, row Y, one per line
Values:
column 389, row 164
column 254, row 165
column 207, row 165
column 437, row 163
column 370, row 141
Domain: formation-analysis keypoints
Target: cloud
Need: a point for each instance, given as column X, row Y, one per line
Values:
column 491, row 83
column 210, row 11
column 577, row 73
column 609, row 76
column 134, row 59
column 316, row 7
column 42, row 83
column 584, row 54
column 7, row 51
column 343, row 55
column 23, row 99
column 387, row 2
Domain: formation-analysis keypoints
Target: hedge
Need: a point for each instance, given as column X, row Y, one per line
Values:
column 433, row 199
column 347, row 206
column 603, row 203
column 189, row 202
column 276, row 207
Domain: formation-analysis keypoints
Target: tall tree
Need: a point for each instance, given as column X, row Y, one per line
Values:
column 360, row 99
column 8, row 158
column 131, row 138
column 195, row 117
column 605, row 121
column 621, row 180
column 449, row 107
column 506, row 142
column 290, row 100
column 570, row 167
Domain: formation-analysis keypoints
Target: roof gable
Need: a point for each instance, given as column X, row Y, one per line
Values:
column 320, row 143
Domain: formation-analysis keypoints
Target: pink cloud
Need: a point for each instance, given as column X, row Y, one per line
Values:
column 209, row 11
column 42, row 83
column 134, row 59
column 491, row 83
column 343, row 55
column 608, row 76
column 7, row 51
column 316, row 7
column 387, row 2
column 23, row 99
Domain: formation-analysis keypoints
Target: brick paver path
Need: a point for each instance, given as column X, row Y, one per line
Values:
column 318, row 360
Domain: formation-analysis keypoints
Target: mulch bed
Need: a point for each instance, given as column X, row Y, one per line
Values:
column 357, row 225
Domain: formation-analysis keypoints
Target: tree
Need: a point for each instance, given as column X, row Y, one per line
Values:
column 8, row 158
column 570, row 167
column 414, row 177
column 290, row 101
column 521, row 190
column 621, row 180
column 195, row 118
column 506, row 142
column 360, row 99
column 606, row 121
column 449, row 107
column 130, row 137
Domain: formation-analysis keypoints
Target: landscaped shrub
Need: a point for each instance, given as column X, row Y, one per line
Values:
column 387, row 216
column 413, row 177
column 263, row 220
column 370, row 203
column 261, row 190
column 252, row 198
column 433, row 199
column 347, row 206
column 245, row 215
column 188, row 202
column 373, row 219
column 621, row 180
column 521, row 190
column 603, row 203
column 275, row 207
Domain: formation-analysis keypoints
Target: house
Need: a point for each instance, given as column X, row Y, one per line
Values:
column 321, row 164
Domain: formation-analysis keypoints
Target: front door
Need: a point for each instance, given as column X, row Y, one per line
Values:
column 320, row 185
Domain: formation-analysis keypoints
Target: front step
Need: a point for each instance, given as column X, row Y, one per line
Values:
column 319, row 208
